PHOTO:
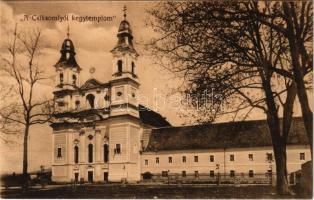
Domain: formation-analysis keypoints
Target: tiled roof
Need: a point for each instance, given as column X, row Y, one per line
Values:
column 220, row 135
column 152, row 118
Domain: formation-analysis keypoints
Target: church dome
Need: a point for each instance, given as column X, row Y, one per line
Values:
column 67, row 58
column 67, row 45
column 125, row 27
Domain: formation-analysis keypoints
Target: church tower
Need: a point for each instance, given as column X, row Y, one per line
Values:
column 125, row 125
column 124, row 80
column 67, row 69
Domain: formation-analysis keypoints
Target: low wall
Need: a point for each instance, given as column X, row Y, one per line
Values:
column 306, row 182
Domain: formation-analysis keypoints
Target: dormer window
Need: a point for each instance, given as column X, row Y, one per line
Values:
column 119, row 66
column 73, row 79
column 61, row 78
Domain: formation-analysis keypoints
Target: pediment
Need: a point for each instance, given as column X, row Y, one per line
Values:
column 91, row 83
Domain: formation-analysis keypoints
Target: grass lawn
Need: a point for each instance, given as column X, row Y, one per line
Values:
column 145, row 191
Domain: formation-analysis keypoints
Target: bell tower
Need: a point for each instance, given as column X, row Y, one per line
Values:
column 125, row 125
column 67, row 68
column 124, row 79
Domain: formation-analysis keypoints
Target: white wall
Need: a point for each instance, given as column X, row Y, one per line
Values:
column 241, row 164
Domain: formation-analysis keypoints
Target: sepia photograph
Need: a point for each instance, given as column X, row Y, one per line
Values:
column 156, row 99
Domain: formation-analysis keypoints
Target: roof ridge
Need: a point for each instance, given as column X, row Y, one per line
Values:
column 227, row 122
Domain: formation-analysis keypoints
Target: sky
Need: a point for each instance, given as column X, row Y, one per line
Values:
column 93, row 42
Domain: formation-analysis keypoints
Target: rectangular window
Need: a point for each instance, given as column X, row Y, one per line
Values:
column 232, row 173
column 231, row 157
column 170, row 159
column 183, row 173
column 184, row 159
column 117, row 150
column 251, row 173
column 211, row 158
column 196, row 174
column 146, row 162
column 59, row 152
column 211, row 173
column 269, row 156
column 302, row 156
column 164, row 173
column 251, row 157
column 195, row 158
column 157, row 160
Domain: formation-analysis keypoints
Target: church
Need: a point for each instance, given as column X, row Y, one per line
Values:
column 102, row 134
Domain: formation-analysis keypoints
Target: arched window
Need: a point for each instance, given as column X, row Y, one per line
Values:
column 76, row 154
column 90, row 153
column 77, row 104
column 106, row 153
column 90, row 98
column 119, row 66
column 73, row 79
column 61, row 78
column 133, row 68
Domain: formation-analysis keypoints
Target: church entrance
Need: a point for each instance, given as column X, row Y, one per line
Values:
column 90, row 177
column 106, row 176
column 76, row 177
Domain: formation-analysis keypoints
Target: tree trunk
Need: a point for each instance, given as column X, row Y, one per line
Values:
column 301, row 91
column 298, row 75
column 25, row 158
column 279, row 145
column 288, row 111
column 282, row 186
column 306, row 114
column 279, row 148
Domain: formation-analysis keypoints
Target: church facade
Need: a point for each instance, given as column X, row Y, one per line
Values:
column 101, row 132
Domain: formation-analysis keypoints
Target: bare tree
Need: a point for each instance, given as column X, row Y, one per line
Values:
column 294, row 20
column 220, row 47
column 22, row 73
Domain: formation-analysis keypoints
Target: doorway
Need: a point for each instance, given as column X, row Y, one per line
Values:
column 76, row 177
column 90, row 177
column 106, row 176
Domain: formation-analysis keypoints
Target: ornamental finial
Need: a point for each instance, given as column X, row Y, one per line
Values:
column 68, row 33
column 124, row 11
